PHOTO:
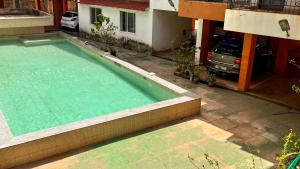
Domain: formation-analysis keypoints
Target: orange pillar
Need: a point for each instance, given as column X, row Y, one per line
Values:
column 1, row 3
column 247, row 62
column 282, row 56
column 65, row 5
column 58, row 11
column 207, row 32
column 38, row 4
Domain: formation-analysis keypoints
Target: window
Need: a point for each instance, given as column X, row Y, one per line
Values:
column 70, row 14
column 127, row 22
column 94, row 14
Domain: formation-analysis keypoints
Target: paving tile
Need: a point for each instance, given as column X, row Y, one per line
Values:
column 225, row 123
column 257, row 141
column 247, row 116
column 271, row 136
column 245, row 131
column 211, row 116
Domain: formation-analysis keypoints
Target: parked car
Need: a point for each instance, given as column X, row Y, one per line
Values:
column 70, row 20
column 226, row 57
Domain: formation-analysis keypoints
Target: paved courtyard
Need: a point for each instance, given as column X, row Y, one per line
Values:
column 233, row 128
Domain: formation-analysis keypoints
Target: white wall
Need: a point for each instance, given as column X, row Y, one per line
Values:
column 261, row 23
column 163, row 5
column 168, row 27
column 143, row 22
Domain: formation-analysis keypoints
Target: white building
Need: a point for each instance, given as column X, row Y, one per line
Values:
column 152, row 22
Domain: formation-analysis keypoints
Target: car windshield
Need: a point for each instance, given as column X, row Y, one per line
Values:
column 69, row 14
column 229, row 50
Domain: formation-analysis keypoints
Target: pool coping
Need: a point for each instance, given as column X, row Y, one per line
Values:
column 184, row 96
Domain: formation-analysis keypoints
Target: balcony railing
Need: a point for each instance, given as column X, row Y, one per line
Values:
column 220, row 1
column 277, row 6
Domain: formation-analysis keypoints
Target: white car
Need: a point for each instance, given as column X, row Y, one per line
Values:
column 70, row 20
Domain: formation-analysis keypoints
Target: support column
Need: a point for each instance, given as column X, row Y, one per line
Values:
column 65, row 5
column 58, row 11
column 207, row 32
column 38, row 4
column 282, row 56
column 1, row 3
column 247, row 62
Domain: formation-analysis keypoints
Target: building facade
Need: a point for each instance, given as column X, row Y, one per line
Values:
column 147, row 21
column 277, row 22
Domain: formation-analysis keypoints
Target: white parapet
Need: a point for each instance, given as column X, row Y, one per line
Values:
column 23, row 21
column 261, row 23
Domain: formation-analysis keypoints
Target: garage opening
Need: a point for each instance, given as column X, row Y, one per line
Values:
column 256, row 64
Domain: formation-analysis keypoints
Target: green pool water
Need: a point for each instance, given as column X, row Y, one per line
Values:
column 45, row 85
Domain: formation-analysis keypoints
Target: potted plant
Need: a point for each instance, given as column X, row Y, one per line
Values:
column 184, row 56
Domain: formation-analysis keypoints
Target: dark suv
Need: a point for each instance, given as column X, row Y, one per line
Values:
column 226, row 57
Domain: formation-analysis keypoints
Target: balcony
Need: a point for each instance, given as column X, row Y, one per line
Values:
column 274, row 6
column 210, row 9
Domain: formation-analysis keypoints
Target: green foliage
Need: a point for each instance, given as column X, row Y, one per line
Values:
column 295, row 87
column 211, row 79
column 213, row 163
column 290, row 150
column 184, row 56
column 105, row 29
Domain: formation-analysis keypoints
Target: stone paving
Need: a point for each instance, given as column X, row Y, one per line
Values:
column 232, row 126
column 253, row 122
column 164, row 147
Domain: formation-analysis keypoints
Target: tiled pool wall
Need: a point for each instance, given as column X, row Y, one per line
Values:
column 52, row 145
column 157, row 91
column 46, row 143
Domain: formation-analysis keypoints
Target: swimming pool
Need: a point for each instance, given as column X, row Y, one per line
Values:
column 59, row 95
column 45, row 85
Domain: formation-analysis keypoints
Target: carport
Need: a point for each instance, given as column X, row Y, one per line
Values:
column 274, row 85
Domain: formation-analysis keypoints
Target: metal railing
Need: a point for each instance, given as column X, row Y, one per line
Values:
column 220, row 1
column 276, row 6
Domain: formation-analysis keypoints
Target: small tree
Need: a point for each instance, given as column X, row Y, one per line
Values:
column 290, row 150
column 105, row 30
